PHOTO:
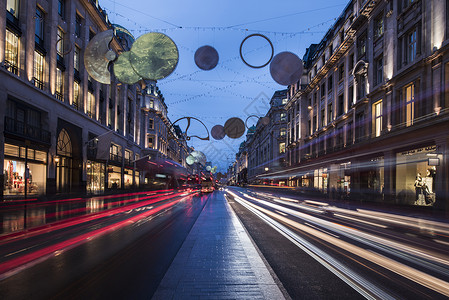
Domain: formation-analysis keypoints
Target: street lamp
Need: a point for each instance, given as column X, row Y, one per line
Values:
column 266, row 169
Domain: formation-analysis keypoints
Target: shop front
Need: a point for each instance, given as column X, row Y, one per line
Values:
column 416, row 172
column 128, row 178
column 320, row 180
column 340, row 180
column 95, row 177
column 25, row 171
column 114, row 177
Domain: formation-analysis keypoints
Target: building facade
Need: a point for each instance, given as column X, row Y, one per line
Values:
column 55, row 113
column 369, row 118
column 265, row 146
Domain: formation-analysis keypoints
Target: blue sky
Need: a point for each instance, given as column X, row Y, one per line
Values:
column 232, row 89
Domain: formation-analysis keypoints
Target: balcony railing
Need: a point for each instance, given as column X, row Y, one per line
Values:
column 21, row 129
column 115, row 158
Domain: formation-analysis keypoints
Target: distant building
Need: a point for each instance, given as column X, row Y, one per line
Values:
column 371, row 111
column 265, row 144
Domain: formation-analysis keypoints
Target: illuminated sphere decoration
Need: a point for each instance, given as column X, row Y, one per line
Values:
column 154, row 56
column 234, row 128
column 190, row 160
column 218, row 132
column 206, row 58
column 124, row 71
column 286, row 68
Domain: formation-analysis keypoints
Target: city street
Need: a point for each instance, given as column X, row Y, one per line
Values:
column 312, row 249
column 224, row 149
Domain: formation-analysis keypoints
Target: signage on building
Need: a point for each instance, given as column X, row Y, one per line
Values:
column 420, row 150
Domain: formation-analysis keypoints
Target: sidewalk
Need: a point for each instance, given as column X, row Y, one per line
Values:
column 218, row 261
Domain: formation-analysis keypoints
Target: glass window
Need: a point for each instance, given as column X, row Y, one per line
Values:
column 409, row 92
column 284, row 101
column 76, row 94
column 60, row 44
column 415, row 178
column 39, row 29
column 377, row 108
column 12, row 6
column 379, row 26
column 361, row 45
column 283, row 117
column 61, row 8
column 38, row 70
column 341, row 72
column 59, row 84
column 379, row 70
column 12, row 52
column 281, row 147
column 323, row 118
column 76, row 58
column 14, row 183
column 90, row 109
column 78, row 21
column 151, row 124
column 151, row 142
column 411, row 46
column 64, row 146
column 283, row 132
column 330, row 115
column 95, row 177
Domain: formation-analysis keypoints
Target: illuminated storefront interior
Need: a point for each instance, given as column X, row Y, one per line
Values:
column 95, row 177
column 411, row 164
column 15, row 171
column 114, row 177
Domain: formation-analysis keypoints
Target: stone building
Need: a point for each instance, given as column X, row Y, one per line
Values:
column 371, row 110
column 56, row 116
column 265, row 146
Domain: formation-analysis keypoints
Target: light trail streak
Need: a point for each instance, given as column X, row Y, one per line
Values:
column 79, row 219
column 357, row 282
column 20, row 263
column 401, row 250
column 408, row 272
column 361, row 221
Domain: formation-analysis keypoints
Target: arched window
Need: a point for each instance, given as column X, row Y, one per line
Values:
column 64, row 145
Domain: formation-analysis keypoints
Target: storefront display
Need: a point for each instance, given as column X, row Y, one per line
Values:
column 95, row 177
column 114, row 177
column 15, row 171
column 321, row 180
column 415, row 178
column 128, row 178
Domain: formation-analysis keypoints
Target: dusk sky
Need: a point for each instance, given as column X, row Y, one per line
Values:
column 231, row 89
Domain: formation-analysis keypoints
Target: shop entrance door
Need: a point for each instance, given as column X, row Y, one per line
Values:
column 64, row 165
